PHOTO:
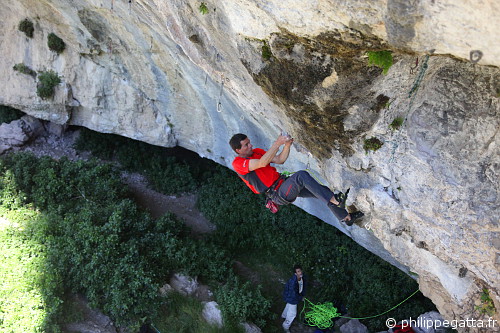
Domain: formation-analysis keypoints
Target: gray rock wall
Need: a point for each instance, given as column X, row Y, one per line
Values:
column 162, row 72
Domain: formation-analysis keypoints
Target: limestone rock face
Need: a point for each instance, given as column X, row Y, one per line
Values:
column 164, row 73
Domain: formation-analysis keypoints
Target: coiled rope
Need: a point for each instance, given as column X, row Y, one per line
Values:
column 322, row 315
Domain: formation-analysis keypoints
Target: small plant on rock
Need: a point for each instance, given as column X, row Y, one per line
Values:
column 47, row 82
column 382, row 59
column 203, row 8
column 373, row 144
column 22, row 68
column 487, row 306
column 55, row 43
column 266, row 51
column 27, row 27
column 396, row 123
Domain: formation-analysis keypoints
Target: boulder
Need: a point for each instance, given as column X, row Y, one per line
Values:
column 429, row 322
column 212, row 314
column 18, row 132
column 166, row 289
column 353, row 326
column 184, row 284
column 251, row 328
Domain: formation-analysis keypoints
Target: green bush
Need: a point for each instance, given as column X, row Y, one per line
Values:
column 27, row 27
column 487, row 306
column 382, row 59
column 96, row 239
column 47, row 81
column 203, row 8
column 8, row 114
column 55, row 43
column 22, row 68
column 266, row 51
column 28, row 294
column 372, row 144
column 204, row 259
column 241, row 302
column 396, row 123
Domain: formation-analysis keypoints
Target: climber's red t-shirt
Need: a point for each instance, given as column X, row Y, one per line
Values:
column 260, row 179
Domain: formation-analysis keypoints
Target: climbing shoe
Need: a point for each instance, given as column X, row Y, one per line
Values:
column 341, row 198
column 354, row 216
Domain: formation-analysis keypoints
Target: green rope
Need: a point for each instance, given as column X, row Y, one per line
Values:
column 321, row 315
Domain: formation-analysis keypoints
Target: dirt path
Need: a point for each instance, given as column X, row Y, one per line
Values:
column 184, row 207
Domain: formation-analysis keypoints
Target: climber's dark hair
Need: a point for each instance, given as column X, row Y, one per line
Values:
column 235, row 141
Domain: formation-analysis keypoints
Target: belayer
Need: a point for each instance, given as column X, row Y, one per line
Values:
column 253, row 167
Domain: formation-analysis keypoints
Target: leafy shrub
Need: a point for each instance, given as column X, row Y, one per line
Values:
column 27, row 27
column 27, row 294
column 266, row 51
column 55, row 43
column 204, row 259
column 382, row 59
column 373, row 144
column 8, row 114
column 203, row 8
column 396, row 123
column 47, row 81
column 22, row 68
column 487, row 306
column 97, row 240
column 241, row 302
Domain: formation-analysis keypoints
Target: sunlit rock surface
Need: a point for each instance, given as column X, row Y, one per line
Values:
column 164, row 73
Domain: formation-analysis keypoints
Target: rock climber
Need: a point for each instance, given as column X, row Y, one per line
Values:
column 253, row 167
column 294, row 292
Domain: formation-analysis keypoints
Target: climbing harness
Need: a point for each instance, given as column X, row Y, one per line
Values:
column 322, row 315
column 271, row 194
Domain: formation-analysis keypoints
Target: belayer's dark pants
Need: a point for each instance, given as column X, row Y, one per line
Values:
column 302, row 184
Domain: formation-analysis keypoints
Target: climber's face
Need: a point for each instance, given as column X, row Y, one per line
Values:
column 246, row 149
column 298, row 273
